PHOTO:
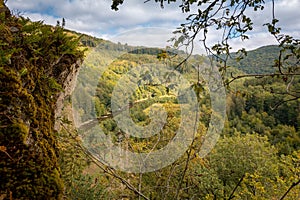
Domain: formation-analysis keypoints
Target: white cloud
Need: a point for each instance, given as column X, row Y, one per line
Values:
column 255, row 40
column 145, row 36
column 95, row 17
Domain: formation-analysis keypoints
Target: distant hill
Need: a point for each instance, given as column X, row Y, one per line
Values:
column 257, row 61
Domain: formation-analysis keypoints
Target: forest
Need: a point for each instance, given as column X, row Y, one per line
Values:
column 256, row 157
column 123, row 89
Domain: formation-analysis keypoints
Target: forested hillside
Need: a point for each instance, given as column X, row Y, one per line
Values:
column 256, row 157
column 258, row 61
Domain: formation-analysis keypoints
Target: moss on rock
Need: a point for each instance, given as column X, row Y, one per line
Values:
column 35, row 59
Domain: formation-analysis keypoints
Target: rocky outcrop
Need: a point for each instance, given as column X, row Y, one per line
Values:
column 38, row 69
column 67, row 79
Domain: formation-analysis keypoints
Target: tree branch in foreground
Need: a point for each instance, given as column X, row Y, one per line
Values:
column 107, row 169
column 290, row 188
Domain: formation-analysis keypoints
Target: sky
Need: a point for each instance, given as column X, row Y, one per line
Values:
column 139, row 23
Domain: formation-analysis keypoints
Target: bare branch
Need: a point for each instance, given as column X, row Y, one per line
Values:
column 189, row 152
column 106, row 169
column 260, row 76
column 284, row 101
column 290, row 188
column 231, row 196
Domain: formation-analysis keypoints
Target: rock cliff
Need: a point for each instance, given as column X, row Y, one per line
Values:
column 38, row 69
